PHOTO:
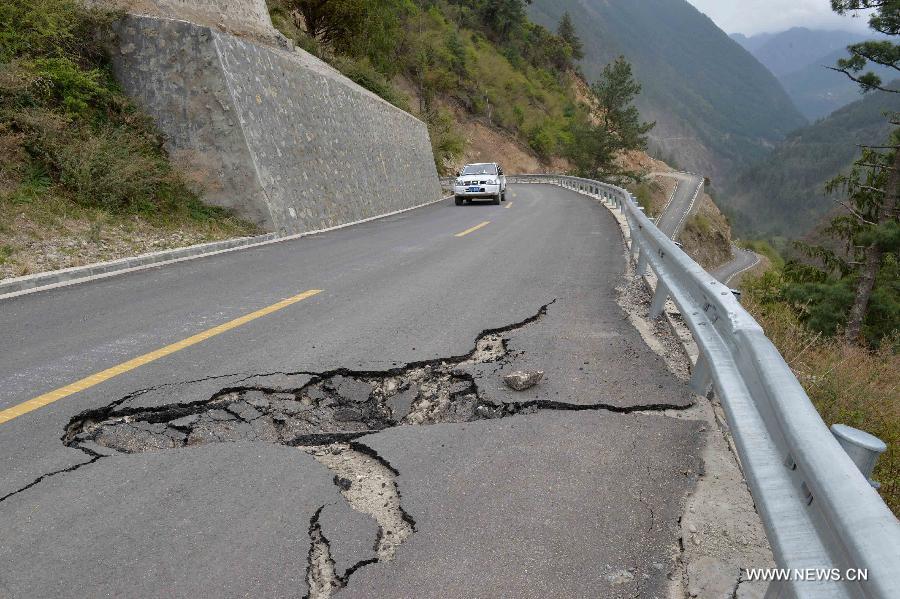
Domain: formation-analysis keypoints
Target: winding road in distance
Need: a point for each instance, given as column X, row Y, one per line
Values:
column 683, row 202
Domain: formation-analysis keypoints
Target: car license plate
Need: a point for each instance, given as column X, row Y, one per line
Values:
column 472, row 189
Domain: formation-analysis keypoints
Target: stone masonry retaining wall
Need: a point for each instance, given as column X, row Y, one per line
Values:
column 279, row 136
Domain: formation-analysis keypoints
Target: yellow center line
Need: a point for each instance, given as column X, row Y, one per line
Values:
column 473, row 229
column 104, row 375
column 509, row 204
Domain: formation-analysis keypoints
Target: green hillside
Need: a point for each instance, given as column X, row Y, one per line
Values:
column 783, row 193
column 483, row 60
column 715, row 105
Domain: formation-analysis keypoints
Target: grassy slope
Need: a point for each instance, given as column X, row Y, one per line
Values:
column 847, row 384
column 83, row 176
column 706, row 236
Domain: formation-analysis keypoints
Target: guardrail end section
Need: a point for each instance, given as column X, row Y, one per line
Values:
column 864, row 449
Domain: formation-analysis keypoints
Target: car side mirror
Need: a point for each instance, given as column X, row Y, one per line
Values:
column 459, row 173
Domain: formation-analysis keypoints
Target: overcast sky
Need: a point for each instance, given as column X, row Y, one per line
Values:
column 758, row 16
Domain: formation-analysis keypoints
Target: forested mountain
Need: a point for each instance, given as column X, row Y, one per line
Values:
column 783, row 194
column 789, row 51
column 716, row 107
column 798, row 58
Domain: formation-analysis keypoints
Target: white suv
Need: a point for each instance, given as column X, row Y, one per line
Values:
column 485, row 180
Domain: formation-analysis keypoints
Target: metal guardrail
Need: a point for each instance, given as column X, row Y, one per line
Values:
column 819, row 510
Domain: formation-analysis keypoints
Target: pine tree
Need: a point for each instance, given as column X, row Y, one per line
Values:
column 504, row 17
column 886, row 20
column 870, row 226
column 594, row 145
column 873, row 185
column 615, row 91
column 567, row 32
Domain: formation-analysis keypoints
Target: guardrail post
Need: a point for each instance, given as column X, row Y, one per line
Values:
column 635, row 239
column 701, row 377
column 642, row 262
column 659, row 300
column 863, row 448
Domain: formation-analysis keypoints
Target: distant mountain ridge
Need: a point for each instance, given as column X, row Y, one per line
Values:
column 753, row 42
column 783, row 194
column 799, row 57
column 789, row 51
column 716, row 107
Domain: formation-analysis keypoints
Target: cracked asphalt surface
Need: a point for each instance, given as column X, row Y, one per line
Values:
column 561, row 490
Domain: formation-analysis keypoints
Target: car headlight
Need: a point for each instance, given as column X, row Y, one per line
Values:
column 459, row 182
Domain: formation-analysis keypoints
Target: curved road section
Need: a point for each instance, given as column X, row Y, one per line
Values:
column 328, row 416
column 683, row 202
column 743, row 261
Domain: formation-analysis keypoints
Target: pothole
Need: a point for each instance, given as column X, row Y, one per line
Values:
column 328, row 409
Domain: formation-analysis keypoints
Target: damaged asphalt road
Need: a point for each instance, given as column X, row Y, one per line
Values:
column 363, row 445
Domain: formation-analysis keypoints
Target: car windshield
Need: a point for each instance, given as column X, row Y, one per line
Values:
column 480, row 169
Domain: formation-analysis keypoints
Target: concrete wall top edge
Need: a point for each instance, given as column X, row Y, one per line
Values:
column 245, row 18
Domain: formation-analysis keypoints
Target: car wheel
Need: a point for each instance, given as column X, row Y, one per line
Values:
column 459, row 201
column 503, row 196
column 497, row 200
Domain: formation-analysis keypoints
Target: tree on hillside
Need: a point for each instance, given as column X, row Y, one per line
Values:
column 597, row 140
column 615, row 91
column 863, row 265
column 869, row 227
column 503, row 17
column 567, row 32
column 541, row 48
column 352, row 27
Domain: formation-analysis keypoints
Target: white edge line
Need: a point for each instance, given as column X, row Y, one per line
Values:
column 688, row 211
column 671, row 199
column 745, row 269
column 113, row 273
